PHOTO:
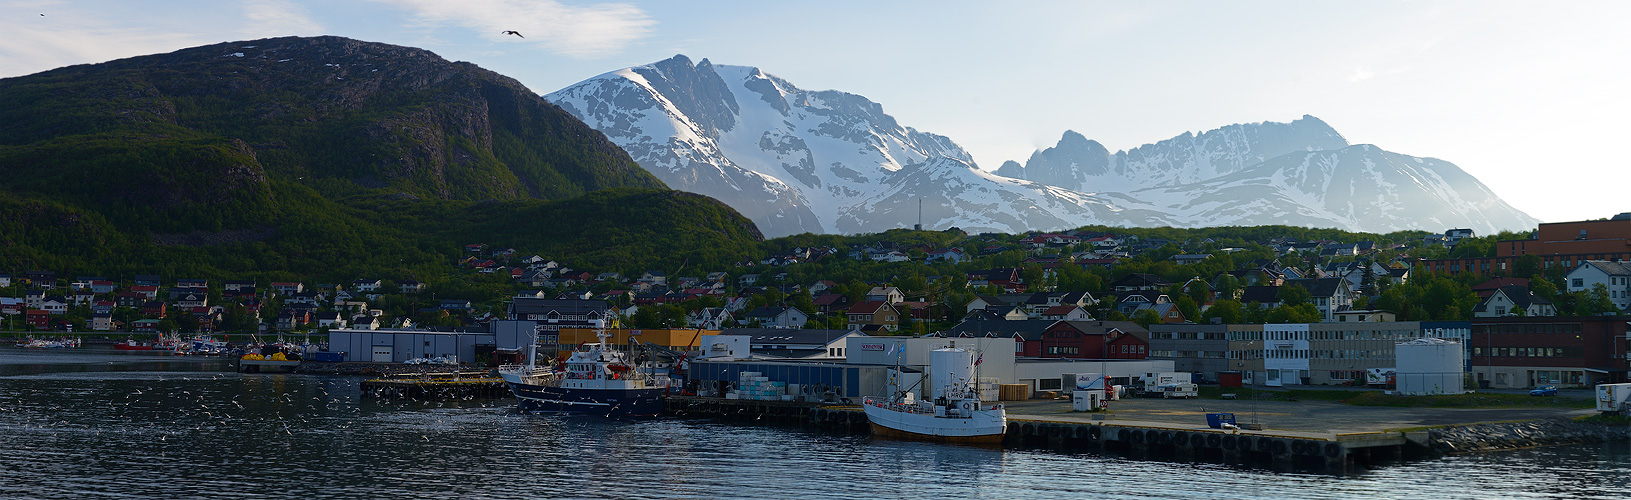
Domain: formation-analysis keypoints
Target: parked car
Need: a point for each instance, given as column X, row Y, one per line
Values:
column 1545, row 390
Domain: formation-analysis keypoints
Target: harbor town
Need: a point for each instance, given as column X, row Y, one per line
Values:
column 1120, row 368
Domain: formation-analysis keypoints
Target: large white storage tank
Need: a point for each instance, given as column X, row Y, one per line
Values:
column 1429, row 366
column 950, row 367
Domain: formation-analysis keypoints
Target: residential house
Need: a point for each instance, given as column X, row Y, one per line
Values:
column 5, row 280
column 1169, row 313
column 1005, row 278
column 777, row 317
column 888, row 294
column 103, row 306
column 128, row 298
column 890, row 256
column 1140, row 282
column 152, row 280
column 984, row 302
column 1133, row 301
column 366, row 285
column 411, row 286
column 709, row 318
column 830, row 303
column 33, row 298
column 288, row 288
column 1513, row 301
column 1186, row 259
column 1616, row 276
column 1066, row 313
column 200, row 284
column 872, row 315
column 822, row 286
column 147, row 291
column 365, row 322
column 102, row 322
column 331, row 320
column 228, row 287
column 12, row 305
column 40, row 319
column 153, row 309
column 191, row 300
column 654, row 277
column 54, row 305
column 950, row 255
column 103, row 286
column 1329, row 295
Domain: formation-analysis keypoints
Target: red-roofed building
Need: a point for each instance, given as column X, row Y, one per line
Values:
column 875, row 313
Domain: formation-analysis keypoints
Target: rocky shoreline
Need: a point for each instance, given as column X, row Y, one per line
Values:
column 1472, row 438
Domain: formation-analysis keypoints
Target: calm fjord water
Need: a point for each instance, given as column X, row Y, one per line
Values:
column 96, row 423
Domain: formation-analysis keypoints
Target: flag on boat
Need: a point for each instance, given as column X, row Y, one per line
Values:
column 980, row 359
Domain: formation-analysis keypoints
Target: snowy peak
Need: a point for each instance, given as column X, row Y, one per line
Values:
column 820, row 161
column 1082, row 164
column 743, row 136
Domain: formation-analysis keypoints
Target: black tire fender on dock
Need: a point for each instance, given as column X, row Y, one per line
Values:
column 1055, row 430
column 1265, row 443
column 1230, row 441
column 1093, row 432
column 1135, row 437
column 1165, row 437
column 1279, row 446
column 1180, row 438
column 1077, row 432
column 1298, row 447
column 1333, row 450
column 1213, row 440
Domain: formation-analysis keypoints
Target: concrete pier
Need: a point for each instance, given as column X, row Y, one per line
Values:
column 1280, row 450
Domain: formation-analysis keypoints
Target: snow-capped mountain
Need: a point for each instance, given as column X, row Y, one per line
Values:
column 1301, row 173
column 798, row 161
column 1085, row 165
column 795, row 161
column 1357, row 188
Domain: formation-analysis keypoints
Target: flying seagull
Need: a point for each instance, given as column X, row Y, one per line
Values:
column 512, row 32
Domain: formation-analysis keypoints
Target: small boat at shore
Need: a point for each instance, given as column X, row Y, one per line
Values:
column 954, row 412
column 598, row 378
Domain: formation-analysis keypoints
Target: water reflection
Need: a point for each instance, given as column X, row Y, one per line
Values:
column 76, row 425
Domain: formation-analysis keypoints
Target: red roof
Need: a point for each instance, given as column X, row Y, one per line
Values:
column 868, row 307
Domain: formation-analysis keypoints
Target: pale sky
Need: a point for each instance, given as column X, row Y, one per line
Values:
column 1525, row 96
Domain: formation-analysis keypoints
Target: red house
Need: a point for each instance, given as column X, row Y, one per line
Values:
column 40, row 319
column 1091, row 340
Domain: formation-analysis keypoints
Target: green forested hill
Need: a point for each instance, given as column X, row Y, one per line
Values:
column 314, row 157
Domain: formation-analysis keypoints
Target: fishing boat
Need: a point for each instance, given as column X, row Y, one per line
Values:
column 133, row 345
column 953, row 413
column 598, row 378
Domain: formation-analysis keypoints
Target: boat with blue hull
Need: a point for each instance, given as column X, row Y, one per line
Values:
column 598, row 378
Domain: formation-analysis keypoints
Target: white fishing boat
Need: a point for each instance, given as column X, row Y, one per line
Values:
column 599, row 378
column 953, row 413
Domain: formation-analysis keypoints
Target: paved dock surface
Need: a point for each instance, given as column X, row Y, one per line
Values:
column 1313, row 417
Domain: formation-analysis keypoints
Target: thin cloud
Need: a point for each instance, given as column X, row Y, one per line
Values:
column 582, row 32
column 269, row 18
column 32, row 46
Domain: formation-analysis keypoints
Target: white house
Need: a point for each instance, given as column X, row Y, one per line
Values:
column 1614, row 275
column 1513, row 300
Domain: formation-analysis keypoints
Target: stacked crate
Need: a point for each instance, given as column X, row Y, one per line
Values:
column 757, row 387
